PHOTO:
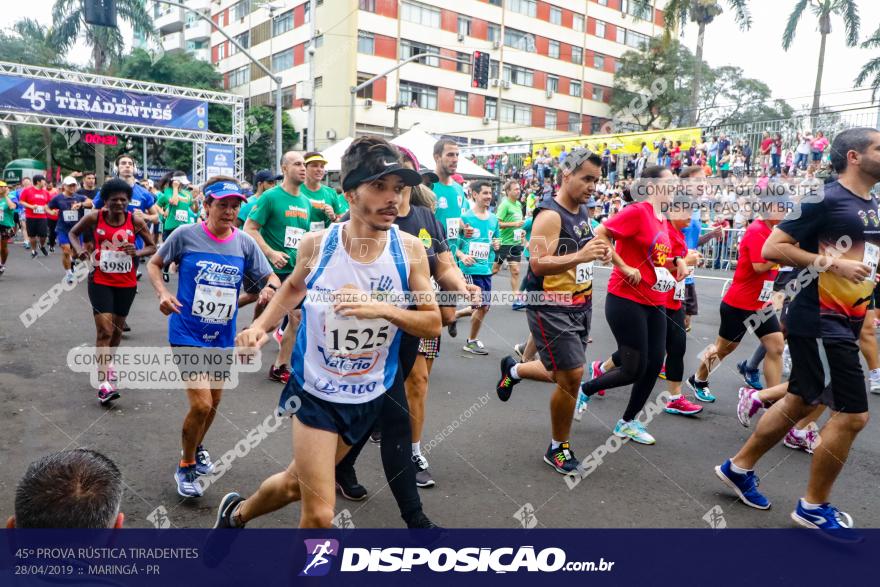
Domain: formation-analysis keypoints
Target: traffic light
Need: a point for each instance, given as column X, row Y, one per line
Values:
column 101, row 12
column 480, row 70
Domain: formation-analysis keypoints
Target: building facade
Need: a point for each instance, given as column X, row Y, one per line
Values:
column 181, row 30
column 552, row 63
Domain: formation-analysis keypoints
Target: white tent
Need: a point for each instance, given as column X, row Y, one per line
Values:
column 422, row 144
column 333, row 154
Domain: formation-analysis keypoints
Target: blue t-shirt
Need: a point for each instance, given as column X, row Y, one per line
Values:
column 63, row 204
column 211, row 274
column 692, row 238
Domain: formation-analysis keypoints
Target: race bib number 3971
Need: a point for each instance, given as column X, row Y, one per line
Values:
column 214, row 303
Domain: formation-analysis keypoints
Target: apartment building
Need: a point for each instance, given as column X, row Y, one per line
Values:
column 182, row 30
column 551, row 74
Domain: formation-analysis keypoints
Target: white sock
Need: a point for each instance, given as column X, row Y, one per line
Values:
column 874, row 374
column 513, row 372
column 601, row 368
column 738, row 470
column 698, row 380
column 810, row 506
column 672, row 398
column 554, row 444
column 417, row 449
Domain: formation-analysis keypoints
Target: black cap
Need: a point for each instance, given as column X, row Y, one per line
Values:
column 38, row 178
column 266, row 175
column 371, row 170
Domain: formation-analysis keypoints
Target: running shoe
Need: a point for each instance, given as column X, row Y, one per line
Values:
column 662, row 373
column 745, row 486
column 634, row 430
column 453, row 329
column 505, row 385
column 225, row 510
column 596, row 371
column 2, row 269
column 138, row 275
column 187, row 482
column 107, row 393
column 376, row 436
column 51, row 249
column 420, row 521
column 43, row 250
column 278, row 334
column 423, row 475
column 750, row 376
column 125, row 326
column 806, row 440
column 281, row 374
column 68, row 277
column 518, row 349
column 347, row 485
column 833, row 523
column 875, row 383
column 165, row 276
column 204, row 466
column 580, row 405
column 786, row 362
column 748, row 405
column 562, row 459
column 518, row 306
column 33, row 254
column 475, row 347
column 701, row 390
column 26, row 245
column 683, row 406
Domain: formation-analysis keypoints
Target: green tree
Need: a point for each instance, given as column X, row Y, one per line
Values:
column 259, row 152
column 823, row 10
column 509, row 139
column 871, row 70
column 702, row 12
column 727, row 97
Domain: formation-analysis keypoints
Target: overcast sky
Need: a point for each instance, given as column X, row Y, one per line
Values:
column 790, row 75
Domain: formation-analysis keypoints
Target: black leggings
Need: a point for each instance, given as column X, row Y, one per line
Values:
column 640, row 332
column 396, row 446
column 676, row 343
column 52, row 236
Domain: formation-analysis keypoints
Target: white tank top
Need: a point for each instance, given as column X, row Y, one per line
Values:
column 345, row 360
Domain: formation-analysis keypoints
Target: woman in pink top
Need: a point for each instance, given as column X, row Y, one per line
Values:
column 818, row 146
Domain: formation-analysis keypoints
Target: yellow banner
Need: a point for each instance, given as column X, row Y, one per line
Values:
column 622, row 143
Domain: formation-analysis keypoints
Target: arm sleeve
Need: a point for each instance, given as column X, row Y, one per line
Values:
column 97, row 202
column 172, row 248
column 255, row 260
column 53, row 204
column 260, row 211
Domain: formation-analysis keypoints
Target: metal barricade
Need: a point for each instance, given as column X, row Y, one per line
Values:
column 722, row 252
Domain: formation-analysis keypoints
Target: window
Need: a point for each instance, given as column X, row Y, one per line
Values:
column 521, row 76
column 307, row 12
column 553, row 83
column 495, row 2
column 464, row 26
column 598, row 93
column 550, row 119
column 492, row 108
column 603, row 2
column 596, row 126
column 577, row 23
column 411, row 48
column 366, row 43
column 418, row 95
column 621, row 35
column 598, row 61
column 577, row 55
column 282, row 61
column 634, row 9
column 617, row 65
column 287, row 98
column 555, row 15
column 319, row 81
column 494, row 32
column 364, row 92
column 516, row 113
column 461, row 103
column 519, row 40
column 463, row 67
column 241, row 9
column 368, row 5
column 574, row 122
column 282, row 23
column 240, row 76
column 319, row 41
column 574, row 88
column 553, row 49
column 636, row 40
column 527, row 7
column 600, row 29
column 221, row 51
column 244, row 39
column 420, row 14
column 493, row 69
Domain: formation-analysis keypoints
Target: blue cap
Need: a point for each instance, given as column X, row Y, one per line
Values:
column 224, row 189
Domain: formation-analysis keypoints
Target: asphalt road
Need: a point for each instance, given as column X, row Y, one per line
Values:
column 486, row 456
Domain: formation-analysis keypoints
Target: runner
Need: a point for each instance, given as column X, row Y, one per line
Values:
column 70, row 207
column 112, row 282
column 176, row 204
column 35, row 199
column 510, row 220
column 278, row 222
column 264, row 180
column 562, row 251
column 476, row 256
column 338, row 407
column 88, row 188
column 325, row 205
column 214, row 259
column 834, row 236
column 7, row 223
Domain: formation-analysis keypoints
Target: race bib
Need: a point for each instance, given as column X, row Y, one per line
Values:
column 115, row 262
column 316, row 226
column 39, row 210
column 70, row 215
column 214, row 303
column 871, row 258
column 479, row 251
column 452, row 227
column 518, row 234
column 348, row 336
column 135, row 204
column 678, row 294
column 181, row 215
column 766, row 291
column 583, row 273
column 665, row 281
column 292, row 237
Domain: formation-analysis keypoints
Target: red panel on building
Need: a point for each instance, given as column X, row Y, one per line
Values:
column 609, row 63
column 299, row 16
column 537, row 116
column 214, row 56
column 299, row 54
column 542, row 45
column 386, row 8
column 543, row 11
column 380, row 89
column 449, row 21
column 561, row 120
column 225, row 81
column 614, row 4
column 226, row 17
column 445, row 100
column 586, row 121
column 658, row 18
column 226, row 48
column 565, row 51
column 539, row 80
column 567, row 18
column 591, row 26
column 476, row 105
column 445, row 63
column 385, row 47
column 564, row 84
column 479, row 29
column 611, row 32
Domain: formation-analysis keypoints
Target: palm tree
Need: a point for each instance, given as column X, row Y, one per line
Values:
column 823, row 10
column 702, row 12
column 871, row 68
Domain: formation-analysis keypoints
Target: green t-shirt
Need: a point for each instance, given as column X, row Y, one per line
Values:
column 284, row 219
column 342, row 204
column 246, row 208
column 479, row 246
column 178, row 214
column 7, row 220
column 450, row 204
column 531, row 203
column 324, row 194
column 508, row 211
column 528, row 228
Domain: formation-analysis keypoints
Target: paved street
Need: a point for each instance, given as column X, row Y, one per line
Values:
column 486, row 456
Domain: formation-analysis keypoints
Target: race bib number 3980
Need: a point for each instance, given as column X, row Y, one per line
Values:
column 115, row 262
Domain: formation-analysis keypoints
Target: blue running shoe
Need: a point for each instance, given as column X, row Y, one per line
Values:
column 581, row 406
column 833, row 523
column 750, row 376
column 204, row 466
column 701, row 390
column 187, row 483
column 745, row 486
column 227, row 507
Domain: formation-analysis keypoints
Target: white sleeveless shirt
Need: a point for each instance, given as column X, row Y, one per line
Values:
column 346, row 360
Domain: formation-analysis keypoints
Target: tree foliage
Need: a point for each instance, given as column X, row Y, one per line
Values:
column 870, row 72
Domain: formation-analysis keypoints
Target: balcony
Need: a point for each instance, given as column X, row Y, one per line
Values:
column 173, row 42
column 169, row 19
column 201, row 5
column 197, row 30
column 201, row 54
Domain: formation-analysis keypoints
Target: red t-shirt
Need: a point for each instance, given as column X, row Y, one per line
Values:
column 679, row 249
column 35, row 197
column 747, row 286
column 765, row 145
column 641, row 241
